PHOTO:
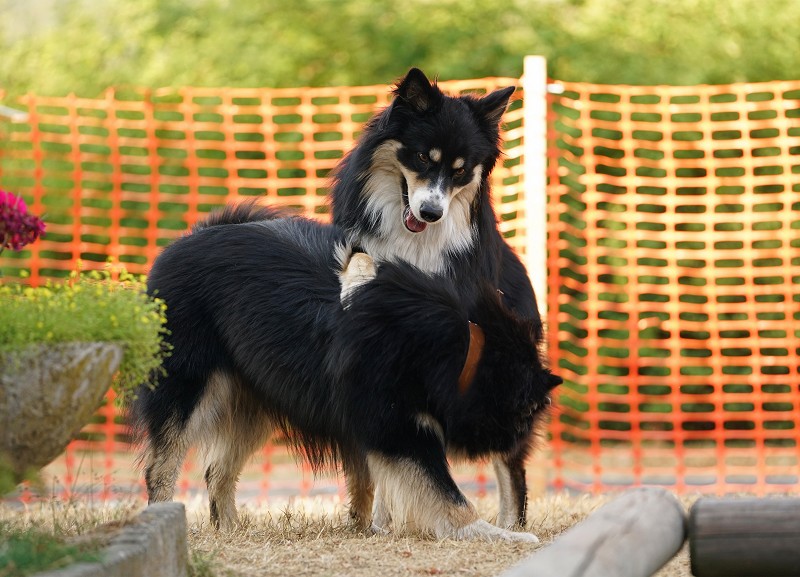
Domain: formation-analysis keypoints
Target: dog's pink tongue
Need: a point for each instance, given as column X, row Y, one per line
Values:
column 412, row 223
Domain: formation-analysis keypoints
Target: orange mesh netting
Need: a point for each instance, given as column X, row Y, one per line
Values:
column 673, row 253
column 674, row 263
column 121, row 176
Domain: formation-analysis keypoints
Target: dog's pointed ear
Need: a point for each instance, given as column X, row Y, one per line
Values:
column 493, row 106
column 553, row 381
column 416, row 90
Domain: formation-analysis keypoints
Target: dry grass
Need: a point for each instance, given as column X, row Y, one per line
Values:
column 312, row 537
column 67, row 519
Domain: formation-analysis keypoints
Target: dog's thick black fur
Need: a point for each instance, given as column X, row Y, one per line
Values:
column 261, row 341
column 416, row 187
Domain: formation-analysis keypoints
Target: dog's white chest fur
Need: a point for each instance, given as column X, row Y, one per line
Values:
column 429, row 250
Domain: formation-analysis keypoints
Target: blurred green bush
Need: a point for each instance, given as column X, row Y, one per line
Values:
column 55, row 47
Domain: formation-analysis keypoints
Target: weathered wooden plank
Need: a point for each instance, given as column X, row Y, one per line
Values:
column 632, row 536
column 732, row 537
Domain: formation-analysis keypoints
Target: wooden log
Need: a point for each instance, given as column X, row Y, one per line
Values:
column 745, row 537
column 632, row 536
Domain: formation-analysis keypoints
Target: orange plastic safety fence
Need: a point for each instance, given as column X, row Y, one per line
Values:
column 674, row 268
column 673, row 254
column 121, row 176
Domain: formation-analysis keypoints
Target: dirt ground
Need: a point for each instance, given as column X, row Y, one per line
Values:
column 311, row 538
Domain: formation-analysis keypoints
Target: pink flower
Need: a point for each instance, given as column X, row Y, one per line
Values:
column 18, row 227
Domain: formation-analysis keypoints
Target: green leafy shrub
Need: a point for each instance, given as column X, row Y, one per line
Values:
column 89, row 307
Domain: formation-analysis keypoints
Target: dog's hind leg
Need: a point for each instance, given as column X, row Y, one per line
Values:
column 240, row 427
column 161, row 417
column 166, row 450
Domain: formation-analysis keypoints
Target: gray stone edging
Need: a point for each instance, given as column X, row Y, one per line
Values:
column 153, row 545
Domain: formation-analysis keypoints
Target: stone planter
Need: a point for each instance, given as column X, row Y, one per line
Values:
column 47, row 394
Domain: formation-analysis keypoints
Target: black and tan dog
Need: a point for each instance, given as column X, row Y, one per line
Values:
column 385, row 382
column 416, row 188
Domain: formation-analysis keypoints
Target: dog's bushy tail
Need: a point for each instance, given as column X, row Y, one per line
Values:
column 248, row 211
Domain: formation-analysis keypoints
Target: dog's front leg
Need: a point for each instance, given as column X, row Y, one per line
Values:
column 381, row 519
column 360, row 487
column 512, row 487
column 360, row 269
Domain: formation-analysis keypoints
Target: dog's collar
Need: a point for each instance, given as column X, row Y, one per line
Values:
column 476, row 341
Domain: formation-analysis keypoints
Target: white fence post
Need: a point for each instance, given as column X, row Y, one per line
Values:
column 534, row 85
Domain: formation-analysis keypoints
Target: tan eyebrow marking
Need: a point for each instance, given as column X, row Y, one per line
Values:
column 435, row 155
column 459, row 163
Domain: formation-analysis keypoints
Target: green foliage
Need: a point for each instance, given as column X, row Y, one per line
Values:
column 62, row 46
column 88, row 309
column 8, row 478
column 28, row 551
column 202, row 564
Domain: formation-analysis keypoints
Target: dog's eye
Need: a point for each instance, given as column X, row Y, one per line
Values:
column 459, row 172
column 423, row 158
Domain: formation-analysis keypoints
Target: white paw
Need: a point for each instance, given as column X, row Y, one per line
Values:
column 377, row 530
column 360, row 269
column 521, row 537
column 483, row 531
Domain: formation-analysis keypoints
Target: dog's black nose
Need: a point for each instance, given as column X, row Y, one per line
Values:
column 430, row 212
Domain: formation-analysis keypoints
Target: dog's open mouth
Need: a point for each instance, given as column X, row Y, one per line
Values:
column 413, row 224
